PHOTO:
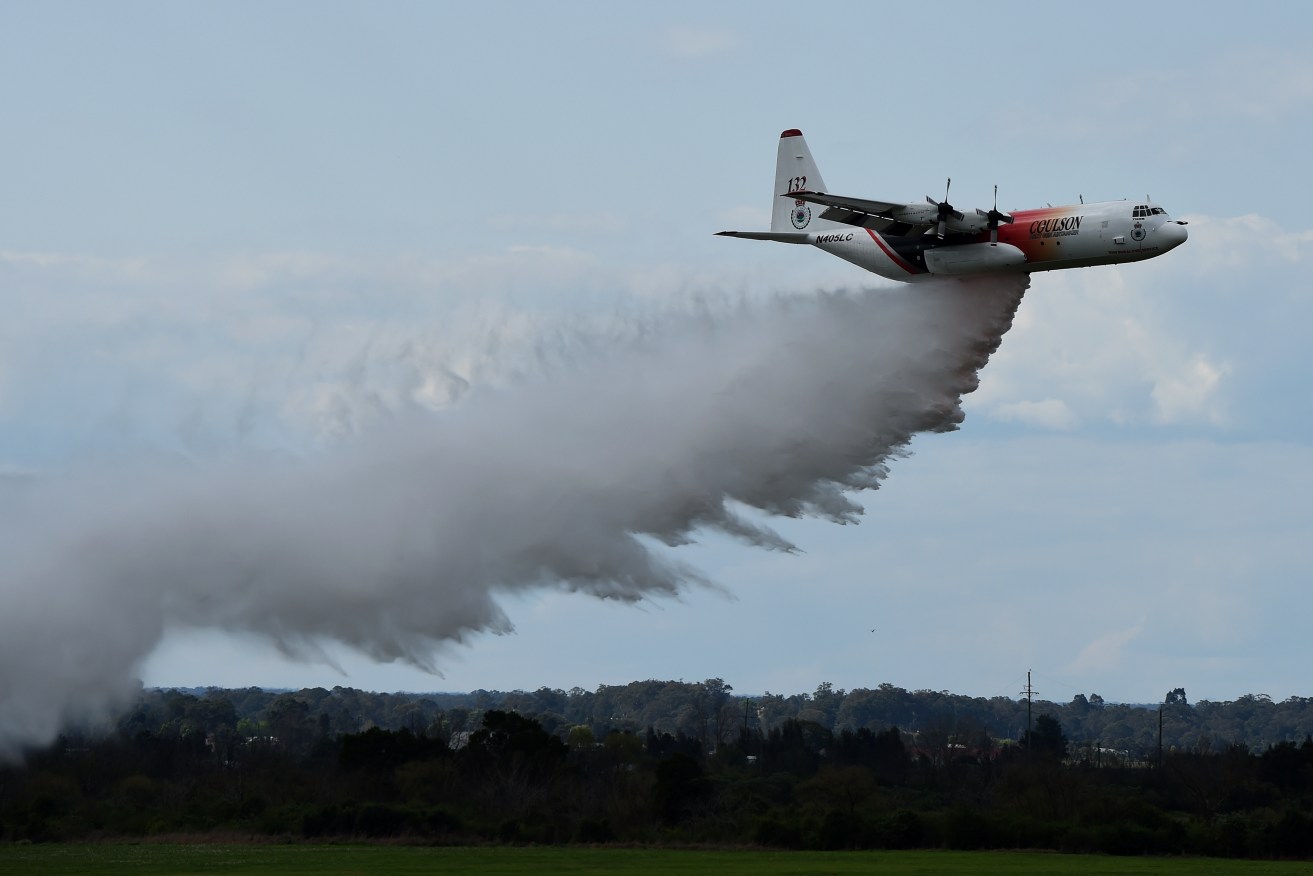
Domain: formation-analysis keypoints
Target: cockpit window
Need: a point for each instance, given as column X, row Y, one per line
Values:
column 1140, row 212
column 1157, row 211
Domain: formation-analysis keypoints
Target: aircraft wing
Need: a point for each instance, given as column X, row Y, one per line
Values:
column 883, row 209
column 889, row 217
column 886, row 217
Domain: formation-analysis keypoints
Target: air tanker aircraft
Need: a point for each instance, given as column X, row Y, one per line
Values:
column 914, row 241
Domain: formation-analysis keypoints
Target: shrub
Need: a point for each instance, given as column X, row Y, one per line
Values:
column 966, row 829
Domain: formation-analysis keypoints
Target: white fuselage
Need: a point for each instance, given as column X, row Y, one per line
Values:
column 1047, row 239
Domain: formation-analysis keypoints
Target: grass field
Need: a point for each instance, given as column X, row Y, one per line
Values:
column 110, row 859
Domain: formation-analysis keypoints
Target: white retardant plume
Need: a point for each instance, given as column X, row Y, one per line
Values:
column 400, row 541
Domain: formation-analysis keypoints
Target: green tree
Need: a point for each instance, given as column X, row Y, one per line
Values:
column 580, row 737
column 1047, row 738
column 512, row 744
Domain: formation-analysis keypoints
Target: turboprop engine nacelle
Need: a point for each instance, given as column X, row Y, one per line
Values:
column 973, row 258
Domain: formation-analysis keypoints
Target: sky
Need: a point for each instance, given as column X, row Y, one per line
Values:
column 273, row 230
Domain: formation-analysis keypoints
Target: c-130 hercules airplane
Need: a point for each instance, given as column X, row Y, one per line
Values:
column 911, row 242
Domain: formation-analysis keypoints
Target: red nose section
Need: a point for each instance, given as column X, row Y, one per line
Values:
column 792, row 132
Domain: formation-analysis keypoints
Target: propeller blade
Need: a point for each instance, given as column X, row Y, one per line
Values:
column 945, row 210
column 994, row 217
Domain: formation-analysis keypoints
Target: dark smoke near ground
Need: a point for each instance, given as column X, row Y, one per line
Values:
column 400, row 542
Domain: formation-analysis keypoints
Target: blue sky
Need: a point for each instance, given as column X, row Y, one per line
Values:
column 262, row 228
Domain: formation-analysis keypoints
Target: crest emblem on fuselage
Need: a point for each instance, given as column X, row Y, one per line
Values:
column 1138, row 232
column 801, row 215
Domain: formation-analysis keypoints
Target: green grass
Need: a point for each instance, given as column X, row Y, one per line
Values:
column 110, row 859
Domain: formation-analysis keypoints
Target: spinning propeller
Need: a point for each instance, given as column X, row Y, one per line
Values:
column 994, row 217
column 946, row 210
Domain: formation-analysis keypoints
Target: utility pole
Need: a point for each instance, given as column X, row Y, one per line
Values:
column 1160, row 737
column 1029, row 693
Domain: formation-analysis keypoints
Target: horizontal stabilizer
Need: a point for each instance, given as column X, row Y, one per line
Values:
column 780, row 236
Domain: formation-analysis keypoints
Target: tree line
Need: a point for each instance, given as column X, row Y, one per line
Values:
column 711, row 712
column 676, row 762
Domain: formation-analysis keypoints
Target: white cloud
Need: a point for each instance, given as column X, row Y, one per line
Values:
column 134, row 271
column 1101, row 345
column 1254, row 82
column 1247, row 85
column 1106, row 652
column 1051, row 413
column 1227, row 243
column 692, row 42
column 1188, row 394
column 561, row 223
column 263, row 270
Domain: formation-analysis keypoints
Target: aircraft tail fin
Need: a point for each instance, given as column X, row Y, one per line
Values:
column 795, row 170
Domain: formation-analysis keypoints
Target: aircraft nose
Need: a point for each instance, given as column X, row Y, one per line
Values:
column 1172, row 234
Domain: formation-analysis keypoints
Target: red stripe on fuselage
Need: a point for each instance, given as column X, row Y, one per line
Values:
column 893, row 256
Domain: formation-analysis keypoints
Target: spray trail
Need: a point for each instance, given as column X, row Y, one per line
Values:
column 400, row 542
